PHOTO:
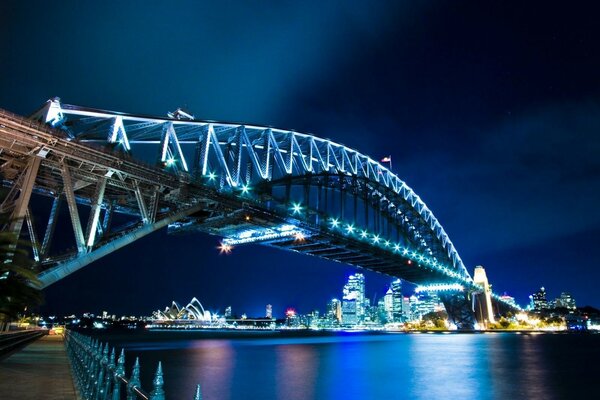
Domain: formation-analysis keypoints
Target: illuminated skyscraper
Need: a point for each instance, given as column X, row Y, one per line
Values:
column 334, row 310
column 483, row 310
column 350, row 312
column 397, row 300
column 354, row 290
column 424, row 303
column 228, row 312
column 388, row 303
column 540, row 302
column 406, row 314
column 269, row 311
column 565, row 301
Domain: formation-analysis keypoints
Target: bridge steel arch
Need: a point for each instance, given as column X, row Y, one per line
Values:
column 245, row 182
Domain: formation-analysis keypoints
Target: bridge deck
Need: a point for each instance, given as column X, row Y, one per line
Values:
column 39, row 371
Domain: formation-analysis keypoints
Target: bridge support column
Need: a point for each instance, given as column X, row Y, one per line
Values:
column 95, row 212
column 72, row 204
column 458, row 307
column 50, row 227
column 22, row 202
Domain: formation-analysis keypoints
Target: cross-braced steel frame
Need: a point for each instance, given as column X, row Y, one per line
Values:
column 222, row 178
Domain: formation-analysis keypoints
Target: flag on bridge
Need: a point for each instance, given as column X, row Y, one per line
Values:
column 387, row 159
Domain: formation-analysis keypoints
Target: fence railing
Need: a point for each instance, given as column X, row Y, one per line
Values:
column 99, row 375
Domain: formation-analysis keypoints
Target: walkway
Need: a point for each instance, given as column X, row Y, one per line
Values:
column 39, row 371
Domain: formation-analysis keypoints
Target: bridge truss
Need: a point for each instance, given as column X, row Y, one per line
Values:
column 246, row 183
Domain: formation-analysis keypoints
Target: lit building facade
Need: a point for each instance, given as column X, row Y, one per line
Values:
column 350, row 312
column 565, row 301
column 539, row 300
column 397, row 300
column 354, row 292
column 334, row 311
column 424, row 303
column 388, row 305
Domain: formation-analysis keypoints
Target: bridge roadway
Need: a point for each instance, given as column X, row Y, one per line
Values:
column 231, row 192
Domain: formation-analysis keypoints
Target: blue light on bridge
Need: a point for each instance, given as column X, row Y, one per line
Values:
column 412, row 256
column 212, row 176
column 245, row 189
column 266, row 234
column 296, row 208
column 442, row 287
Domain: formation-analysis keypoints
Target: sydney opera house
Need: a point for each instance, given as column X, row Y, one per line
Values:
column 192, row 314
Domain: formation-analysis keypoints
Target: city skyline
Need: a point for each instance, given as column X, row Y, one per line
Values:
column 491, row 120
column 391, row 295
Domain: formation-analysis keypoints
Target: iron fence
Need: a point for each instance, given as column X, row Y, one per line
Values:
column 100, row 375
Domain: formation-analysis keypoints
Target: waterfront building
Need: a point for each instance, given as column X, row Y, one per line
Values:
column 269, row 311
column 565, row 301
column 388, row 303
column 540, row 302
column 406, row 314
column 350, row 312
column 483, row 310
column 193, row 311
column 424, row 303
column 228, row 312
column 292, row 319
column 397, row 300
column 334, row 310
column 354, row 290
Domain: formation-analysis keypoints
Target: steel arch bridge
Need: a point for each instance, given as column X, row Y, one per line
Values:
column 129, row 175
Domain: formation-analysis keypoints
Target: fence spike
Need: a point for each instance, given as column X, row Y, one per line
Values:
column 157, row 392
column 135, row 380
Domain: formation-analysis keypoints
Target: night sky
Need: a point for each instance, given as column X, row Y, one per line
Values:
column 491, row 113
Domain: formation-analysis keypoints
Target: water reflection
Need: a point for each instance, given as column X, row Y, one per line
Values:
column 357, row 366
column 446, row 366
column 297, row 367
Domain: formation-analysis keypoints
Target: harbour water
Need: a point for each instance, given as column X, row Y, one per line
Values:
column 279, row 366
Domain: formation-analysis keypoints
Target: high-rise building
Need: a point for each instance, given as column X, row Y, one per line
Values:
column 483, row 310
column 406, row 314
column 228, row 312
column 397, row 300
column 350, row 312
column 334, row 310
column 354, row 290
column 540, row 302
column 269, row 311
column 424, row 303
column 388, row 304
column 565, row 301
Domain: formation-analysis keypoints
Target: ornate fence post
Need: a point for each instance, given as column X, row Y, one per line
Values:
column 102, row 372
column 110, row 371
column 134, row 381
column 119, row 372
column 157, row 391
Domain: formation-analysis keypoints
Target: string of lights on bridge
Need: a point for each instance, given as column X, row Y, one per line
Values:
column 347, row 229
